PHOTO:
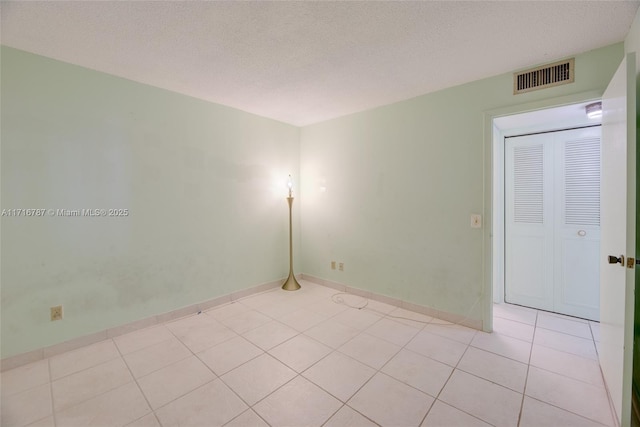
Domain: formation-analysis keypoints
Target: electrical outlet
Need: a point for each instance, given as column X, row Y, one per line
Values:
column 56, row 313
column 476, row 221
column 333, row 265
column 341, row 266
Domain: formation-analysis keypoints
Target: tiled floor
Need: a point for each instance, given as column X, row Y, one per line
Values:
column 298, row 359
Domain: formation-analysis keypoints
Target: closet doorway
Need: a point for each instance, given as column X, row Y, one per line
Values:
column 552, row 221
column 550, row 197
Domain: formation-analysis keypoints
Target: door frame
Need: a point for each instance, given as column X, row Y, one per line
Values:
column 493, row 233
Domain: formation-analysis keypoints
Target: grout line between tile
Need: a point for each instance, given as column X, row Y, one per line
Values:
column 445, row 385
column 240, row 414
column 278, row 388
column 157, row 325
column 334, row 350
column 567, row 333
column 138, row 385
column 568, row 377
column 596, row 359
column 145, row 415
column 332, row 415
column 511, row 320
column 81, row 370
column 156, row 417
column 593, row 337
column 568, row 411
column 526, row 378
column 162, row 367
column 53, row 412
column 355, row 410
column 86, row 399
column 498, row 354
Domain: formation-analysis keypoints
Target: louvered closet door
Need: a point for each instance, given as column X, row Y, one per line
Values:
column 577, row 234
column 552, row 221
column 529, row 222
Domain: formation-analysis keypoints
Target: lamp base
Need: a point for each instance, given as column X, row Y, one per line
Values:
column 291, row 284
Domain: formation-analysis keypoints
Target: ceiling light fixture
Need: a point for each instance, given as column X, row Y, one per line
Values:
column 594, row 111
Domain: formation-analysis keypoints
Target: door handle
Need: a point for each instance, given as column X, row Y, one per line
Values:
column 616, row 260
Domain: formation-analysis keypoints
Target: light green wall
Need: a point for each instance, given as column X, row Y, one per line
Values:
column 204, row 185
column 401, row 182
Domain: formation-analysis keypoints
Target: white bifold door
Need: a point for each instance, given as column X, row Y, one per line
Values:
column 552, row 221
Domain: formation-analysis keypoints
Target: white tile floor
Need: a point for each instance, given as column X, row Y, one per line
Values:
column 296, row 359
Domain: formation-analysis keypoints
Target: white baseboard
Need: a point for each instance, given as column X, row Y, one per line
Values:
column 46, row 352
column 84, row 340
column 449, row 317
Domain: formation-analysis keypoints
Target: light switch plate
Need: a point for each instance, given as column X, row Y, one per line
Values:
column 476, row 221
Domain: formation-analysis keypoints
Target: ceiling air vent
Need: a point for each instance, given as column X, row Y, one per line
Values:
column 558, row 73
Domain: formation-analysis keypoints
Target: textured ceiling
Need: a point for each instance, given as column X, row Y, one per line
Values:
column 304, row 62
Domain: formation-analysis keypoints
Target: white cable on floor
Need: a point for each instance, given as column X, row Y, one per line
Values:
column 338, row 299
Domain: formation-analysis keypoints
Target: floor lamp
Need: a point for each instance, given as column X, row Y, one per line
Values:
column 291, row 284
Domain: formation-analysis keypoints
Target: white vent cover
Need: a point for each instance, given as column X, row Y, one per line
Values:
column 558, row 73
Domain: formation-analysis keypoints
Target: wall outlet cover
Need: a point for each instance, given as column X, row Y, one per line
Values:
column 56, row 313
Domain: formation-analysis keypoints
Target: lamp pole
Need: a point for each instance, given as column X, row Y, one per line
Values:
column 291, row 284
